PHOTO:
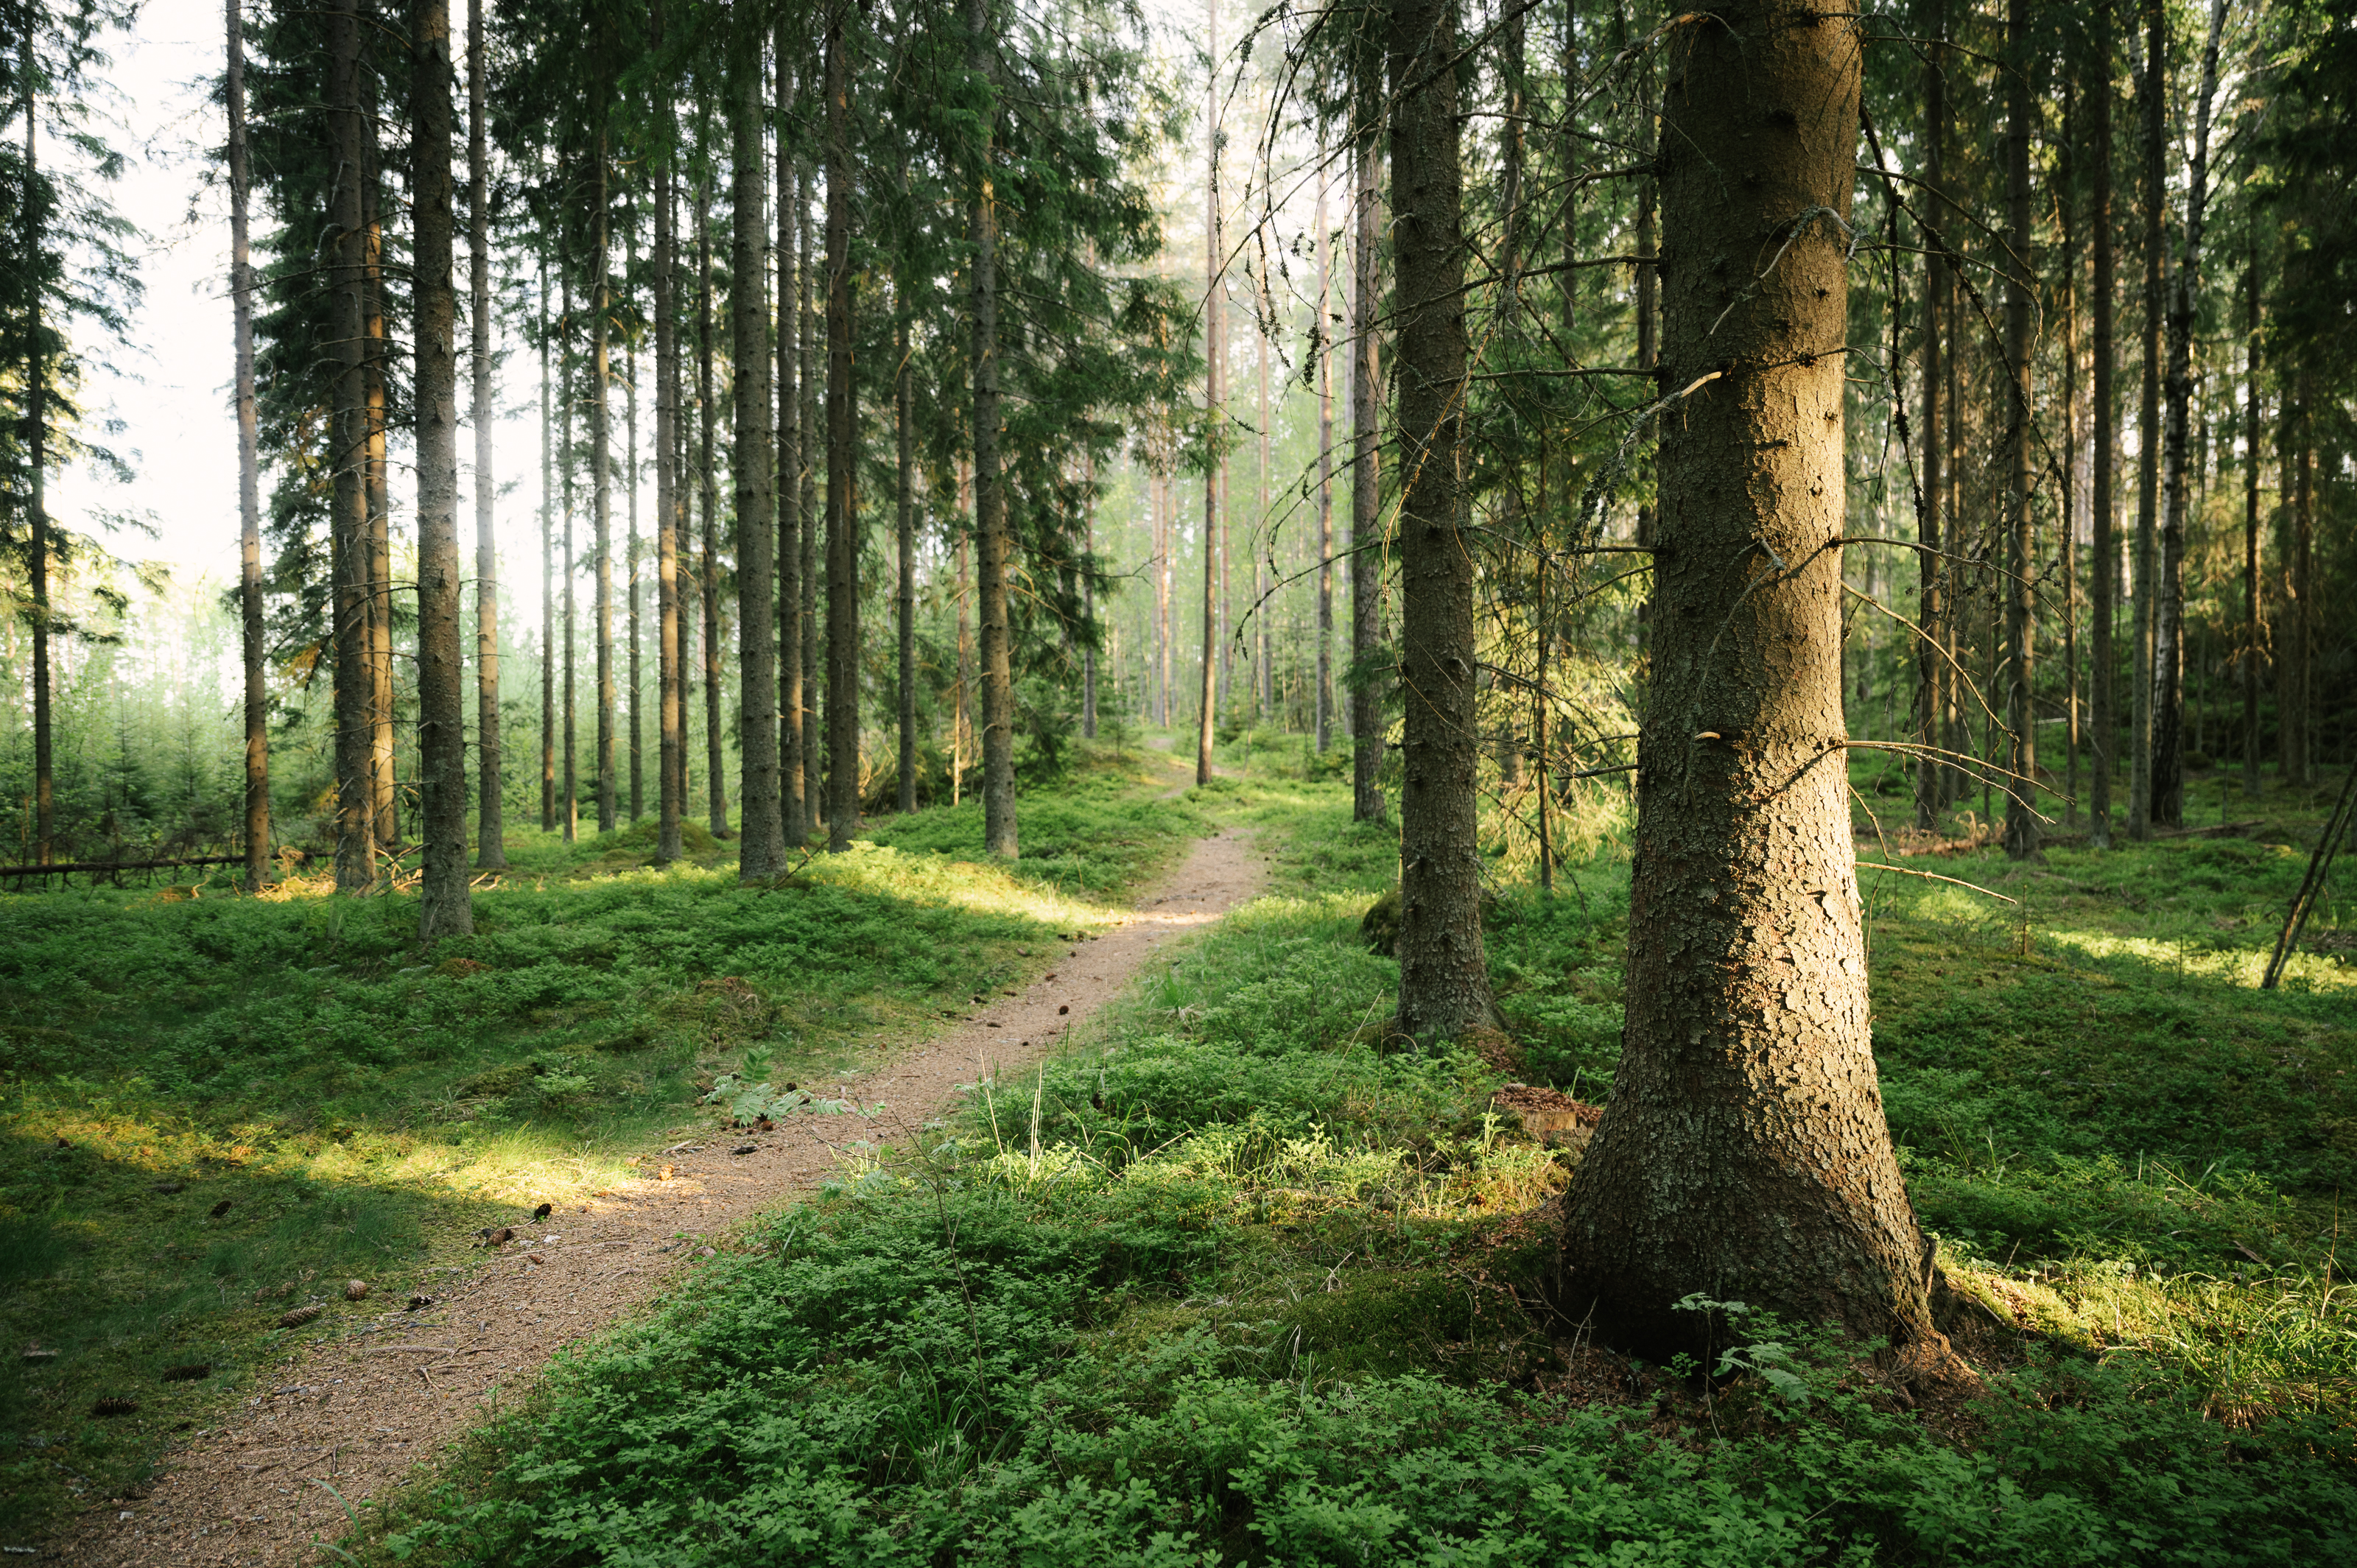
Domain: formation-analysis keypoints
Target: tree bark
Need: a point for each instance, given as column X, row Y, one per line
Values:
column 1444, row 976
column 1744, row 1155
column 806, row 348
column 2152, row 91
column 2103, row 550
column 2169, row 608
column 601, row 483
column 2250, row 638
column 249, row 484
column 999, row 832
column 630, row 552
column 794, row 807
column 568, row 393
column 491, row 804
column 1322, row 340
column 2020, row 706
column 547, row 580
column 1931, row 573
column 1367, row 728
column 444, row 906
column 671, row 786
column 904, row 420
column 841, row 508
column 376, row 477
column 707, row 412
column 1214, row 353
column 762, row 852
column 355, row 690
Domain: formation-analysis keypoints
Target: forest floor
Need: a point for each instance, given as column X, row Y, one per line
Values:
column 1233, row 1276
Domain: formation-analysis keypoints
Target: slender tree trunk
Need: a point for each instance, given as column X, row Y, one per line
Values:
column 1089, row 593
column 444, row 906
column 1744, row 1154
column 1932, row 569
column 1322, row 340
column 384, row 799
column 2250, row 638
column 794, row 807
column 37, row 457
column 1213, row 355
column 762, row 852
column 813, row 638
column 671, row 788
column 1367, row 727
column 1264, row 683
column 961, row 721
column 707, row 409
column 2169, row 606
column 631, row 556
column 249, row 487
column 601, row 489
column 569, row 393
column 2073, row 452
column 998, row 833
column 490, row 803
column 842, row 412
column 1444, row 976
column 2152, row 92
column 904, row 420
column 2300, row 711
column 2020, row 705
column 547, row 580
column 355, row 805
column 2103, row 550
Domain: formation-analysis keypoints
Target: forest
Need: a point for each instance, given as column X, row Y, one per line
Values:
column 1051, row 781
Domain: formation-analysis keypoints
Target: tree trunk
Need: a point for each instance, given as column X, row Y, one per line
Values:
column 1213, row 354
column 383, row 797
column 1932, row 570
column 249, row 487
column 961, row 721
column 1367, row 728
column 490, row 805
column 2250, row 638
column 904, row 420
column 793, row 808
column 601, row 489
column 568, row 395
column 630, row 551
column 2103, row 550
column 671, row 786
column 806, row 348
column 444, row 906
column 1444, row 977
column 2169, row 608
column 2152, row 92
column 2020, row 705
column 355, row 691
column 708, row 409
column 1321, row 340
column 1089, row 594
column 36, row 458
column 841, row 507
column 547, row 580
column 1744, row 1155
column 998, row 833
column 762, row 853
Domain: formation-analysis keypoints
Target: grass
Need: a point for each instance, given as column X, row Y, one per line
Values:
column 360, row 1110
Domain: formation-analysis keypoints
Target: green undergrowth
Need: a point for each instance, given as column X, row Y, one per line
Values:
column 1241, row 1279
column 357, row 1109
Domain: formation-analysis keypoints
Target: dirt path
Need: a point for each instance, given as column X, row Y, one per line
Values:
column 359, row 1412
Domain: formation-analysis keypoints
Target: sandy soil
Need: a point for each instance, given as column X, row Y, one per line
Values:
column 360, row 1412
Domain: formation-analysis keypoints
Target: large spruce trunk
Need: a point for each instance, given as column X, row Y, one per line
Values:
column 1931, row 575
column 355, row 805
column 2104, row 551
column 1214, row 350
column 671, row 784
column 491, row 814
column 793, row 808
column 2152, row 91
column 2020, row 709
column 444, row 908
column 762, row 853
column 1366, row 494
column 1744, row 1154
column 601, row 486
column 1444, row 977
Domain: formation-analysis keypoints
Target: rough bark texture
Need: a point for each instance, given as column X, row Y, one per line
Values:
column 806, row 348
column 355, row 807
column 793, row 808
column 547, row 577
column 1444, row 976
column 568, row 569
column 2250, row 638
column 841, row 510
column 1744, row 1155
column 1366, row 493
column 762, row 853
column 249, row 486
column 377, row 487
column 671, row 786
column 630, row 554
column 2169, row 606
column 716, row 774
column 1321, row 334
column 999, row 832
column 2103, row 720
column 2020, row 713
column 444, row 909
column 1931, row 575
column 490, row 811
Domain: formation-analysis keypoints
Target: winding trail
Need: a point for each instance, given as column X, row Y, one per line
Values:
column 360, row 1412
